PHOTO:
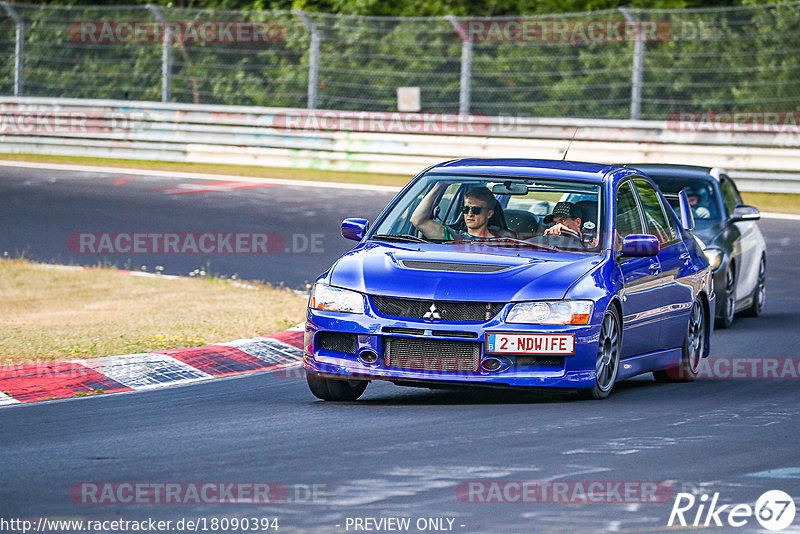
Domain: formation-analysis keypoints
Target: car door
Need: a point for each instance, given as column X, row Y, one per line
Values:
column 747, row 247
column 676, row 290
column 641, row 295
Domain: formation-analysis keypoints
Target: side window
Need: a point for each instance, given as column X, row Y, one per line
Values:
column 654, row 217
column 445, row 210
column 627, row 214
column 730, row 196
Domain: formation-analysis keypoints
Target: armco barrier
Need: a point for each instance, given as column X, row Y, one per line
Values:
column 377, row 142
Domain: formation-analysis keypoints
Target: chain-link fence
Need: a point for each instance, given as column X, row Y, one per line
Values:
column 605, row 64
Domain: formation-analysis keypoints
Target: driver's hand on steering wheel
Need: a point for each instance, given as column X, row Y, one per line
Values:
column 558, row 228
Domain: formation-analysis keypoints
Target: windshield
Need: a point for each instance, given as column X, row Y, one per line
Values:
column 700, row 194
column 534, row 213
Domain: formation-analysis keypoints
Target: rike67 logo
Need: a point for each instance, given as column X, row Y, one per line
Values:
column 774, row 510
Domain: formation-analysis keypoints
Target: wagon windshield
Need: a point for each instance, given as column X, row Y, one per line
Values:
column 534, row 213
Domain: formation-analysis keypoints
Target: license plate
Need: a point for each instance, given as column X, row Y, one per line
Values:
column 530, row 343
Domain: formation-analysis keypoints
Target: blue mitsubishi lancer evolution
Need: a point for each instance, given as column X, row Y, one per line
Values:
column 513, row 273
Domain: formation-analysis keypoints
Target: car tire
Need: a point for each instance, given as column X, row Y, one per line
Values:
column 693, row 349
column 335, row 390
column 725, row 319
column 759, row 295
column 608, row 352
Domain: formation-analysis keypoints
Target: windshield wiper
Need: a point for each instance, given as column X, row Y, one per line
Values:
column 403, row 238
column 500, row 240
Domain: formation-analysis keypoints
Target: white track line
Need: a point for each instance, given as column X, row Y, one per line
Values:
column 197, row 176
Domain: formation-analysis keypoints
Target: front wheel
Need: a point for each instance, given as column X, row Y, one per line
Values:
column 335, row 390
column 759, row 292
column 607, row 363
column 693, row 349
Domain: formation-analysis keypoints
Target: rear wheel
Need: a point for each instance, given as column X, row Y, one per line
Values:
column 607, row 363
column 694, row 347
column 759, row 292
column 335, row 390
column 725, row 320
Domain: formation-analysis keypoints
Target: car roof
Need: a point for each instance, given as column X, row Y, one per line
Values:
column 525, row 168
column 678, row 171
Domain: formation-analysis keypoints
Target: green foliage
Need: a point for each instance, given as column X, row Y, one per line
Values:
column 746, row 58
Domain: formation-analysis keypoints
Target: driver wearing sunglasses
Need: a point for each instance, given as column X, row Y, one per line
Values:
column 475, row 211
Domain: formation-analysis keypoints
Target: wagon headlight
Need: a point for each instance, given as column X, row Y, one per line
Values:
column 714, row 257
column 551, row 312
column 325, row 297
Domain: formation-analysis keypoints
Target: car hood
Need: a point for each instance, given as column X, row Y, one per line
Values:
column 709, row 233
column 379, row 268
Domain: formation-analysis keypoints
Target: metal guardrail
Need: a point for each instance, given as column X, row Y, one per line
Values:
column 378, row 142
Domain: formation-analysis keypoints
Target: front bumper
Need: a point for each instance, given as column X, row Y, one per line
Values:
column 373, row 333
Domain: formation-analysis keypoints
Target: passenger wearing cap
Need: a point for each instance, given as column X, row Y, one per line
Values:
column 567, row 219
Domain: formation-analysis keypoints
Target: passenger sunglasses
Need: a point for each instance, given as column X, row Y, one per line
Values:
column 476, row 210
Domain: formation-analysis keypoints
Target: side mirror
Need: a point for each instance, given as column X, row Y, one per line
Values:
column 639, row 245
column 745, row 213
column 687, row 217
column 354, row 229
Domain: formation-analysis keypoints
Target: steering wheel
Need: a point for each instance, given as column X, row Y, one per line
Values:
column 569, row 234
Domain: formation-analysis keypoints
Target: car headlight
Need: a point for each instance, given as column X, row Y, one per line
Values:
column 551, row 312
column 714, row 257
column 325, row 297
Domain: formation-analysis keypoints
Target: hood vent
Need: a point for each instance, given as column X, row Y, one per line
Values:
column 454, row 267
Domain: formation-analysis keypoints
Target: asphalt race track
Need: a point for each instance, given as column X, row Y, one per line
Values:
column 41, row 209
column 397, row 452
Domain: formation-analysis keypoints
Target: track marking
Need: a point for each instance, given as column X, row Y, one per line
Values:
column 783, row 472
column 197, row 176
column 214, row 187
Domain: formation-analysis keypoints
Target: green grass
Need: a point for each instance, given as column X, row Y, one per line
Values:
column 210, row 168
column 54, row 314
column 775, row 202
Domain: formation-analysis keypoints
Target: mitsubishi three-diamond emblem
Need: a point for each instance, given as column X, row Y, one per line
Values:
column 432, row 313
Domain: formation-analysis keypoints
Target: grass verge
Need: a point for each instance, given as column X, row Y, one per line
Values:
column 210, row 168
column 775, row 202
column 57, row 314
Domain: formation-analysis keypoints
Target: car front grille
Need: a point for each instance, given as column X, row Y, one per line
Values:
column 431, row 354
column 437, row 310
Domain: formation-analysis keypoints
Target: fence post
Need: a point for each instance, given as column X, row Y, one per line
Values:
column 19, row 50
column 166, row 54
column 466, row 65
column 313, row 58
column 638, row 62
